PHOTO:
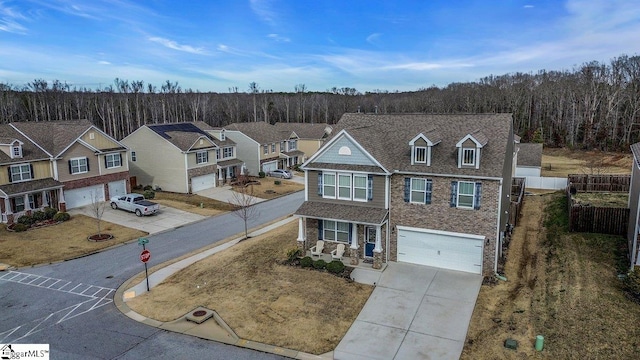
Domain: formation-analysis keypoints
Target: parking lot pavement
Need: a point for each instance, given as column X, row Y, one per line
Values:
column 167, row 218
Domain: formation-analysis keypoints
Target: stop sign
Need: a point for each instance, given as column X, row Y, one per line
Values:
column 145, row 255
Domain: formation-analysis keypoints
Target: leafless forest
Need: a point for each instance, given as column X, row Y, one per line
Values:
column 593, row 105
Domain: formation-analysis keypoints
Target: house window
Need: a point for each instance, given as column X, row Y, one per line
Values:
column 360, row 187
column 18, row 204
column 336, row 231
column 222, row 136
column 466, row 194
column 112, row 160
column 17, row 152
column 227, row 152
column 344, row 187
column 265, row 149
column 78, row 165
column 21, row 173
column 420, row 154
column 273, row 147
column 329, row 185
column 133, row 156
column 293, row 145
column 202, row 157
column 282, row 146
column 418, row 191
column 468, row 156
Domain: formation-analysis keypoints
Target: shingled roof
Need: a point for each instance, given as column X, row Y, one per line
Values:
column 529, row 154
column 261, row 132
column 315, row 131
column 185, row 134
column 387, row 137
column 29, row 150
column 53, row 136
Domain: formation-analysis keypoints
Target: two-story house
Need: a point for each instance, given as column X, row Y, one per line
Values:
column 417, row 188
column 263, row 147
column 181, row 157
column 310, row 137
column 62, row 164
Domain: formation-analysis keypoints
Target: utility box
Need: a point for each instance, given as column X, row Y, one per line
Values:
column 511, row 344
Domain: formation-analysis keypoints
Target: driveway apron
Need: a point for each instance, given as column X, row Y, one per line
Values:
column 415, row 312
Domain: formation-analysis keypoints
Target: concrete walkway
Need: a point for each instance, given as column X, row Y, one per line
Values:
column 224, row 194
column 415, row 312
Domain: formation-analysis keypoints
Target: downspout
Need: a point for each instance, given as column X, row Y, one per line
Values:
column 495, row 264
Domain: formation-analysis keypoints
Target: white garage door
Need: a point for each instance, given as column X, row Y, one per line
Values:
column 203, row 182
column 117, row 188
column 453, row 251
column 83, row 196
column 269, row 166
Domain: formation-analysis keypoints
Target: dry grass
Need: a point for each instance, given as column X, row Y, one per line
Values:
column 192, row 203
column 59, row 242
column 269, row 190
column 259, row 298
column 617, row 200
column 562, row 162
column 563, row 287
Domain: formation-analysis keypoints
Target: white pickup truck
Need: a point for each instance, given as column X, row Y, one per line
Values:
column 134, row 203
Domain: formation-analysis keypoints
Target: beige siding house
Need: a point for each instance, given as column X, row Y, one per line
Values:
column 425, row 189
column 192, row 159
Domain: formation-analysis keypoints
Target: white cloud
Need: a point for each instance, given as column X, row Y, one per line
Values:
column 528, row 6
column 175, row 46
column 9, row 18
column 373, row 38
column 278, row 38
column 102, row 62
column 264, row 10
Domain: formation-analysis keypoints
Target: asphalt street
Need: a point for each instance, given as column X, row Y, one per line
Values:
column 69, row 305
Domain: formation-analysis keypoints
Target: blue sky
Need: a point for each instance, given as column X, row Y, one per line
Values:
column 388, row 45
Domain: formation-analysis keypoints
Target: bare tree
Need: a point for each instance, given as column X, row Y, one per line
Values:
column 243, row 202
column 97, row 209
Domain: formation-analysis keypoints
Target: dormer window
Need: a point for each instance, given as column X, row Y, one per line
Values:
column 223, row 137
column 16, row 151
column 469, row 149
column 468, row 156
column 422, row 146
column 420, row 154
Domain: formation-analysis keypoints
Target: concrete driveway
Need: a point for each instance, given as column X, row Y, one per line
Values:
column 167, row 218
column 415, row 312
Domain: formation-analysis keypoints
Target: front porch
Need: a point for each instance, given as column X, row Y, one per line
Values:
column 228, row 171
column 21, row 199
column 365, row 264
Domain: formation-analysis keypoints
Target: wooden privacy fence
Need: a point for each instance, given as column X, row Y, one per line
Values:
column 594, row 183
column 596, row 219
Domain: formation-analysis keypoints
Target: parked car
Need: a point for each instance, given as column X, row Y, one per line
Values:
column 280, row 173
column 134, row 203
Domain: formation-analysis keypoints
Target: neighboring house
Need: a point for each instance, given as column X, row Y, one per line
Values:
column 528, row 159
column 181, row 157
column 62, row 164
column 310, row 136
column 634, row 207
column 263, row 147
column 416, row 188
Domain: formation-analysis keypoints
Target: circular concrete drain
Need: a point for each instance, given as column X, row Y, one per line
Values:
column 199, row 313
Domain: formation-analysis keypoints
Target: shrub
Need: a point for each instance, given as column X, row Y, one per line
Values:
column 19, row 227
column 293, row 254
column 50, row 212
column 39, row 216
column 319, row 264
column 335, row 267
column 148, row 187
column 61, row 216
column 26, row 220
column 306, row 262
column 261, row 174
column 277, row 182
column 149, row 194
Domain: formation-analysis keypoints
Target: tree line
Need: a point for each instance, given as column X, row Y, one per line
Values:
column 593, row 105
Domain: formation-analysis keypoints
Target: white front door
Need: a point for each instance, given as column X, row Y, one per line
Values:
column 453, row 251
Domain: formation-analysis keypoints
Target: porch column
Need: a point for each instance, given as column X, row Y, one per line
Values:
column 353, row 249
column 27, row 206
column 220, row 173
column 228, row 173
column 45, row 202
column 62, row 205
column 301, row 236
column 7, row 206
column 377, row 250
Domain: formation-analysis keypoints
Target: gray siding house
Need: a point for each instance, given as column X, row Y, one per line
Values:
column 417, row 188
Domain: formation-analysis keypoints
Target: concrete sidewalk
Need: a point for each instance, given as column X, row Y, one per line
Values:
column 224, row 193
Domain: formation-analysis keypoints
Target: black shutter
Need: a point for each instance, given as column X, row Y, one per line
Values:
column 350, row 231
column 407, row 189
column 87, row 164
column 70, row 172
column 31, row 170
column 106, row 164
column 454, row 193
column 10, row 176
column 320, row 230
column 320, row 183
column 428, row 189
column 370, row 188
column 478, row 195
column 120, row 155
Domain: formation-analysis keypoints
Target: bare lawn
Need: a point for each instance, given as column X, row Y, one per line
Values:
column 192, row 203
column 562, row 162
column 269, row 190
column 59, row 242
column 603, row 199
column 261, row 299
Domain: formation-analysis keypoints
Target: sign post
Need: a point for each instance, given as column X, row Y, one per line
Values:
column 145, row 255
